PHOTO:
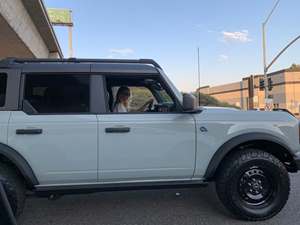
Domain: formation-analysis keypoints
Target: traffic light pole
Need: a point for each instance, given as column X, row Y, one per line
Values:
column 265, row 50
column 282, row 51
column 265, row 60
column 6, row 214
column 267, row 67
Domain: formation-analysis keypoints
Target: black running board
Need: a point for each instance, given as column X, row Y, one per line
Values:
column 45, row 191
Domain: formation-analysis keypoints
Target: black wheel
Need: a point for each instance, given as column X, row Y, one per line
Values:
column 253, row 184
column 14, row 187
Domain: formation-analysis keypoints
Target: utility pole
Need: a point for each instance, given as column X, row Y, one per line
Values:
column 198, row 60
column 198, row 54
column 265, row 50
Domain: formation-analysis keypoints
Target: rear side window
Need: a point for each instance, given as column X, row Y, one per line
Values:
column 58, row 93
column 3, row 84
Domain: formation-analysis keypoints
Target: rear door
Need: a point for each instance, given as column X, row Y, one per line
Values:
column 55, row 131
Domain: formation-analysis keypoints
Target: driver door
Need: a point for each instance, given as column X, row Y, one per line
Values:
column 145, row 146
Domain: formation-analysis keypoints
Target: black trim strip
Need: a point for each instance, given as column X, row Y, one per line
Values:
column 16, row 159
column 90, row 188
column 236, row 141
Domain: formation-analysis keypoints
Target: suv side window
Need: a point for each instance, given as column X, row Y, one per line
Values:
column 58, row 94
column 3, row 84
column 141, row 95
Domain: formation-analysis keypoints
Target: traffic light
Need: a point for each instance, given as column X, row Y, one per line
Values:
column 270, row 84
column 261, row 84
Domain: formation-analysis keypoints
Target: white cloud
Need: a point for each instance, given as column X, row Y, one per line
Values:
column 236, row 36
column 223, row 58
column 120, row 52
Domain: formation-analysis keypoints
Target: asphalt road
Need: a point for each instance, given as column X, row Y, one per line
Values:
column 158, row 207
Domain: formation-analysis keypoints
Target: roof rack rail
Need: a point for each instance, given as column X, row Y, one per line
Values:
column 7, row 62
column 10, row 61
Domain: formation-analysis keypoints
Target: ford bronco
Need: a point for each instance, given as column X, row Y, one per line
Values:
column 60, row 134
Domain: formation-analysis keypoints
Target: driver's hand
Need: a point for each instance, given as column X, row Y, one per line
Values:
column 150, row 101
column 147, row 104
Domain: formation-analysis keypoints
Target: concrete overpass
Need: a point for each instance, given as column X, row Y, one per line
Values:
column 26, row 31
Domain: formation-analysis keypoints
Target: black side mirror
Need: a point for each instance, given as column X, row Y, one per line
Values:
column 28, row 108
column 189, row 102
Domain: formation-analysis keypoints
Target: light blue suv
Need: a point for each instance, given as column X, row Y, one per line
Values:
column 61, row 133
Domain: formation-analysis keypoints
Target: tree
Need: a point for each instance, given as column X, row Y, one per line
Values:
column 294, row 67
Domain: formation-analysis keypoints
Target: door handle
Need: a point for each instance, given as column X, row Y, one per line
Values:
column 29, row 131
column 117, row 129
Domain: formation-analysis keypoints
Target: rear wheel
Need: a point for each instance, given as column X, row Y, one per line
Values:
column 14, row 187
column 253, row 185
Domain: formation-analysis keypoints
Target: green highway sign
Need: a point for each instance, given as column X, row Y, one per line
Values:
column 60, row 16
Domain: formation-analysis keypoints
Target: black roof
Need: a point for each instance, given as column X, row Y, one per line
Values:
column 114, row 66
column 10, row 62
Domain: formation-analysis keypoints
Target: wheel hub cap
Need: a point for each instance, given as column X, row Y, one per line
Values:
column 255, row 187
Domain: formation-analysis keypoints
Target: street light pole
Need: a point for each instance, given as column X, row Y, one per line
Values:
column 198, row 54
column 265, row 60
column 265, row 49
column 282, row 51
column 198, row 60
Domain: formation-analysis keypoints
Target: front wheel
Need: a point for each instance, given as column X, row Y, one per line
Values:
column 253, row 184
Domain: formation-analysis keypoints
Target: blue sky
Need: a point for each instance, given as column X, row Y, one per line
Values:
column 228, row 33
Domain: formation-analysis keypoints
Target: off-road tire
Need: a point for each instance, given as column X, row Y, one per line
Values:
column 234, row 184
column 14, row 187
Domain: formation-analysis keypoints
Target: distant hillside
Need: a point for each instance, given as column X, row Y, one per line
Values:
column 207, row 100
column 140, row 95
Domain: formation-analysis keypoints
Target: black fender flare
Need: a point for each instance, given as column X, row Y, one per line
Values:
column 236, row 141
column 20, row 163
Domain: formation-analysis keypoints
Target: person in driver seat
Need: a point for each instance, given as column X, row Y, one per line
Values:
column 121, row 104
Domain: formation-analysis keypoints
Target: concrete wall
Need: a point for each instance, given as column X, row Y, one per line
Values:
column 21, row 29
column 292, row 91
column 233, row 93
column 11, row 44
column 285, row 92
